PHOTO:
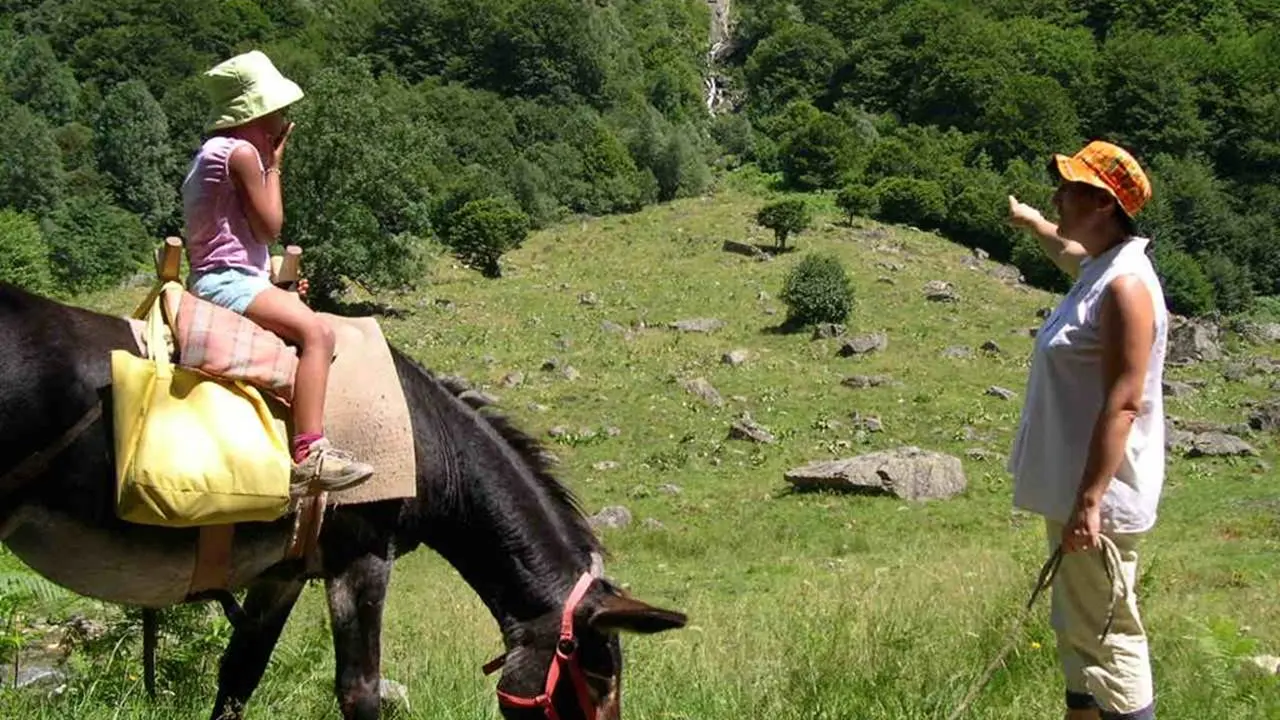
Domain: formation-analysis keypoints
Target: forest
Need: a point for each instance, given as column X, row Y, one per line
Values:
column 464, row 124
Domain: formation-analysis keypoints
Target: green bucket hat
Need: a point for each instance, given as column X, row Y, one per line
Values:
column 245, row 88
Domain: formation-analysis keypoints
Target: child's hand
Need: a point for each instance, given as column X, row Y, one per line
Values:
column 277, row 153
column 303, row 287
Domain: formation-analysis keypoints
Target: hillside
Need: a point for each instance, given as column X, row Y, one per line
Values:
column 803, row 606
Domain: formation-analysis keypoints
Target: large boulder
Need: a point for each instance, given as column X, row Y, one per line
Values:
column 907, row 472
column 1193, row 341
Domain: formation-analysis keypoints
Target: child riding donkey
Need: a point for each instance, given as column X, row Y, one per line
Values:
column 233, row 210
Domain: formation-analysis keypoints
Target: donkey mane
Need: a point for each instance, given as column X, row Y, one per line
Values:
column 539, row 460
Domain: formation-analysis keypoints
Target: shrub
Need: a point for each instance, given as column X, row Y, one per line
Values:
column 785, row 218
column 1186, row 289
column 482, row 230
column 1036, row 267
column 911, row 201
column 858, row 200
column 24, row 255
column 817, row 290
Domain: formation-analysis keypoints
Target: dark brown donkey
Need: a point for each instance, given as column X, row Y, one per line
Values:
column 487, row 502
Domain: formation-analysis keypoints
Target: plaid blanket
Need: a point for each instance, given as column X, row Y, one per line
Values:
column 222, row 343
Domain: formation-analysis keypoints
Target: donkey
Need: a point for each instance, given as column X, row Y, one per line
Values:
column 487, row 501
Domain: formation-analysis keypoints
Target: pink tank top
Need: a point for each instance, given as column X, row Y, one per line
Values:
column 218, row 234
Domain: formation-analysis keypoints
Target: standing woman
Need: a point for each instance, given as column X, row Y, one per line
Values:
column 1089, row 453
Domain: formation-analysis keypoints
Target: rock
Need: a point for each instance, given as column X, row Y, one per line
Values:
column 512, row 379
column 939, row 291
column 614, row 516
column 981, row 254
column 1264, row 664
column 762, row 296
column 488, row 359
column 551, row 364
column 742, row 248
column 570, row 373
column 610, row 326
column 79, row 628
column 1258, row 333
column 735, row 357
column 564, row 342
column 703, row 389
column 588, row 298
column 1219, row 444
column 1044, row 312
column 861, row 382
column 957, row 352
column 558, row 431
column 991, row 347
column 1235, row 372
column 1193, row 341
column 537, row 407
column 886, row 280
column 456, row 381
column 1174, row 388
column 39, row 675
column 605, row 466
column 908, row 472
column 445, row 304
column 613, row 431
column 478, row 397
column 979, row 454
column 1002, row 393
column 669, row 489
column 652, row 524
column 744, row 428
column 889, row 265
column 393, row 697
column 1178, row 440
column 870, row 423
column 698, row 325
column 826, row 331
column 1266, row 417
column 864, row 344
column 1007, row 274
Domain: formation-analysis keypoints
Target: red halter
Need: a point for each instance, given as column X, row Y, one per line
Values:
column 566, row 655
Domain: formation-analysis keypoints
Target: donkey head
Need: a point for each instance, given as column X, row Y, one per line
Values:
column 567, row 665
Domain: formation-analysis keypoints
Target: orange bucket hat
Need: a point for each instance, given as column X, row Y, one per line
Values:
column 1111, row 168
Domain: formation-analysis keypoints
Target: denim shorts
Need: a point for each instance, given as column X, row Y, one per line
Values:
column 231, row 288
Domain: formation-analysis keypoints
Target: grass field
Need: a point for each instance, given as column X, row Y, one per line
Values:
column 801, row 606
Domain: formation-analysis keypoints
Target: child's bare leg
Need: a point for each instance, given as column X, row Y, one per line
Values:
column 318, row 466
column 284, row 314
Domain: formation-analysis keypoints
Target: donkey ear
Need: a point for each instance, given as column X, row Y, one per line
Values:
column 616, row 613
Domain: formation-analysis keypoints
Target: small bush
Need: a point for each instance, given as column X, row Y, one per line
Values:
column 910, row 201
column 817, row 290
column 785, row 218
column 1186, row 289
column 1036, row 267
column 482, row 230
column 24, row 255
column 858, row 201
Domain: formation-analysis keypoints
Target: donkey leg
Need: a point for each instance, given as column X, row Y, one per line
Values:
column 266, row 609
column 356, row 597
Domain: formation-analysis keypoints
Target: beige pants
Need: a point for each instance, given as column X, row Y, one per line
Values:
column 1112, row 673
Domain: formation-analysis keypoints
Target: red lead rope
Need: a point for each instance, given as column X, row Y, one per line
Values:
column 566, row 655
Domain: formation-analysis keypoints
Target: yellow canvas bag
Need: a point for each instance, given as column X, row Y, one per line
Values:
column 192, row 450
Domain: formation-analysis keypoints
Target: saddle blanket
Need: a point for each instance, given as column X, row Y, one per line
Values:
column 365, row 409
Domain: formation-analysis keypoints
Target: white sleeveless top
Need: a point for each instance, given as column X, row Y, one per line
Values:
column 1065, row 394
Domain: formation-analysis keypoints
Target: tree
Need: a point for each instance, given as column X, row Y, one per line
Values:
column 94, row 244
column 24, row 255
column 38, row 80
column 785, row 218
column 913, row 201
column 31, row 175
column 131, row 139
column 481, row 231
column 1029, row 117
column 817, row 290
column 822, row 154
column 357, row 175
column 794, row 64
column 857, row 200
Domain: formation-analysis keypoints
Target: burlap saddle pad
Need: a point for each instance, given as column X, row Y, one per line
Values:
column 365, row 409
